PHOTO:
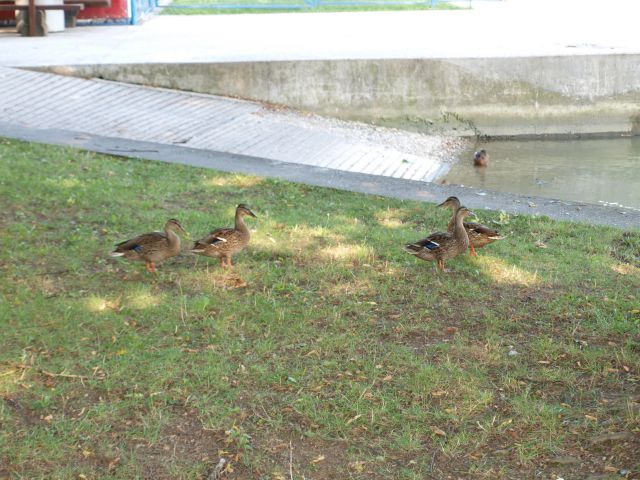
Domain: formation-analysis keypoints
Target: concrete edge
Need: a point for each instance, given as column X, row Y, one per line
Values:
column 542, row 96
column 476, row 198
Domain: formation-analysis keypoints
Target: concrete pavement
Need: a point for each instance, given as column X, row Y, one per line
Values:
column 508, row 28
column 326, row 177
column 207, row 122
column 493, row 29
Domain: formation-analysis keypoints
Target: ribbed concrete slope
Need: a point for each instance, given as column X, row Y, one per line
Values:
column 207, row 122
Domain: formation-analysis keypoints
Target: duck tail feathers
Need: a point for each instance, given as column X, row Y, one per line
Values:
column 411, row 248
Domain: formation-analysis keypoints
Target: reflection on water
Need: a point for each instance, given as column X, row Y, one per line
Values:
column 592, row 171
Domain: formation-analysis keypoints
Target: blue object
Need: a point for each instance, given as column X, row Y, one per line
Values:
column 432, row 245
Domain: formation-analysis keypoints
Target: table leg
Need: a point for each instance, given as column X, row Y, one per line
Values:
column 32, row 18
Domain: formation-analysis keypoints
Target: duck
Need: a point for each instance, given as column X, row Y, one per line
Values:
column 226, row 242
column 441, row 246
column 480, row 158
column 479, row 235
column 152, row 248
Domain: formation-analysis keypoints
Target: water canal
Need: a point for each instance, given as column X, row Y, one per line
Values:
column 602, row 171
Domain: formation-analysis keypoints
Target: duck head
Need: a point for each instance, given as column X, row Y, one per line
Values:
column 173, row 224
column 244, row 210
column 481, row 158
column 451, row 202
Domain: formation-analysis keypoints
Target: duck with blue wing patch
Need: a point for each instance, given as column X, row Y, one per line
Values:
column 152, row 248
column 441, row 246
column 225, row 242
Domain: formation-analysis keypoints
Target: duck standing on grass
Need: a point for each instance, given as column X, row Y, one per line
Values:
column 442, row 246
column 225, row 242
column 152, row 248
column 479, row 235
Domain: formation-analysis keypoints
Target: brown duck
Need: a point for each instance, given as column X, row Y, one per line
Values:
column 481, row 158
column 479, row 235
column 441, row 246
column 225, row 242
column 152, row 248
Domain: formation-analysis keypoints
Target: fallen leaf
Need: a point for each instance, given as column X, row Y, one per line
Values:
column 451, row 330
column 540, row 244
column 318, row 459
column 438, row 431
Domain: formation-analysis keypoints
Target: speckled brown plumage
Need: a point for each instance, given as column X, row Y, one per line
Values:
column 441, row 246
column 479, row 235
column 225, row 242
column 152, row 248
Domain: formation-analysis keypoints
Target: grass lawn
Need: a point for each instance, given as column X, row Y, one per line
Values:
column 328, row 353
column 284, row 7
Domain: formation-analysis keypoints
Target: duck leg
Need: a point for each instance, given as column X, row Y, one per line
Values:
column 147, row 267
column 152, row 267
column 473, row 251
column 222, row 263
column 441, row 266
column 229, row 264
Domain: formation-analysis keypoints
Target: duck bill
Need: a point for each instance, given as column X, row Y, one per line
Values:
column 252, row 214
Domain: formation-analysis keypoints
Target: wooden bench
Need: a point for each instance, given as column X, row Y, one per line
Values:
column 71, row 16
column 35, row 20
column 90, row 3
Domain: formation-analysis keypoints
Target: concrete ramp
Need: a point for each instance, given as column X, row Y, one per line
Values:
column 207, row 122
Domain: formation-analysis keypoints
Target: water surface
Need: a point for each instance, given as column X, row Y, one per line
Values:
column 592, row 171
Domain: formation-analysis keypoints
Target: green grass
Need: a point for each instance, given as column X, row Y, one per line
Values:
column 372, row 7
column 342, row 352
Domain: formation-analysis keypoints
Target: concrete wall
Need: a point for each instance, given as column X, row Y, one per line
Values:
column 564, row 95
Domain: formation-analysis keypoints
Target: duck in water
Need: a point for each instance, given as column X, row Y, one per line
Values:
column 480, row 158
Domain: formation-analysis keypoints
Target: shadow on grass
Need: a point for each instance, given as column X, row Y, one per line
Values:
column 338, row 336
